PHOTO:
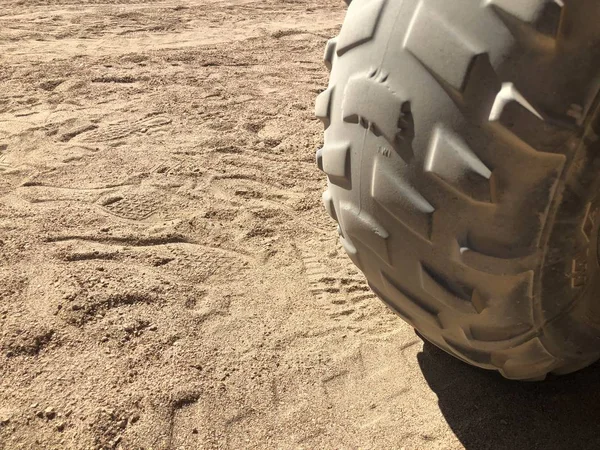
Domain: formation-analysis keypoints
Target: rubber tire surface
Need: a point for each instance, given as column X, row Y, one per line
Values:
column 461, row 143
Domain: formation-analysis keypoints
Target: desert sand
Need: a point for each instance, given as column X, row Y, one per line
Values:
column 169, row 277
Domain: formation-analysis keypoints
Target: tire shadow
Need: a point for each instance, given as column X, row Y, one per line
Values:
column 486, row 411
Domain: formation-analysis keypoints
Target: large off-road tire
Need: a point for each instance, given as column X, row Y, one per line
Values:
column 462, row 155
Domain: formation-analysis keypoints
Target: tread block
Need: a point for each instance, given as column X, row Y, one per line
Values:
column 440, row 47
column 329, row 205
column 329, row 53
column 319, row 159
column 360, row 24
column 336, row 161
column 361, row 226
column 370, row 102
column 472, row 354
column 509, row 93
column 351, row 251
column 401, row 200
column 492, row 257
column 490, row 333
column 452, row 294
column 323, row 106
column 450, row 159
column 407, row 305
column 508, row 309
column 525, row 10
column 528, row 360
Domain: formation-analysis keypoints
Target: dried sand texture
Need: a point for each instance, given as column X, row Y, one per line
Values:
column 169, row 278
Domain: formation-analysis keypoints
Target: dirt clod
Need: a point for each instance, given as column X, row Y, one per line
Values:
column 49, row 413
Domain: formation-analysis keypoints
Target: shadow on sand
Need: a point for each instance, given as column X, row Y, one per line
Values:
column 486, row 411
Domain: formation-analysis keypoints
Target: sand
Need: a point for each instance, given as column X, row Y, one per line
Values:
column 169, row 277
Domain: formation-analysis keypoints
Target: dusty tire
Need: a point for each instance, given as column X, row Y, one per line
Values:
column 463, row 171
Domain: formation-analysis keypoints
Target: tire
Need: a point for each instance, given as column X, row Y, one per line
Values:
column 461, row 149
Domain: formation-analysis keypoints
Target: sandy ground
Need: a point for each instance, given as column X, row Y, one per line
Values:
column 169, row 278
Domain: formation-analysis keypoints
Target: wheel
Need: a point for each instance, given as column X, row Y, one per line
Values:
column 461, row 150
